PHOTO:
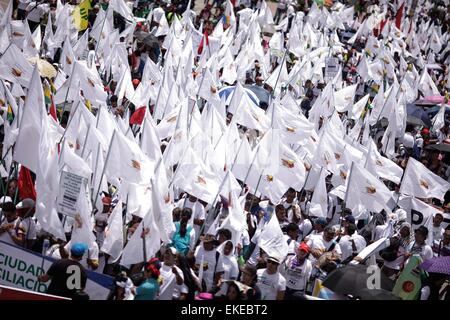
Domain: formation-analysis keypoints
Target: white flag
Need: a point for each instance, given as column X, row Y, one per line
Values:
column 420, row 182
column 272, row 241
column 113, row 243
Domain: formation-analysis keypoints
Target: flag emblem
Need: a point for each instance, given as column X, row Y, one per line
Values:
column 307, row 166
column 424, row 184
column 379, row 163
column 201, row 180
column 337, row 156
column 255, row 116
column 288, row 163
column 269, row 178
column 135, row 164
column 172, row 119
column 343, row 174
column 18, row 34
column 313, row 139
column 213, row 89
column 68, row 60
column 91, row 82
column 348, row 98
column 167, row 198
column 288, row 129
column 2, row 103
column 16, row 72
column 371, row 189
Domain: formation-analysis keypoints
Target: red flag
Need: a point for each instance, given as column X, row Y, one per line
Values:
column 200, row 47
column 138, row 116
column 25, row 184
column 53, row 111
column 399, row 16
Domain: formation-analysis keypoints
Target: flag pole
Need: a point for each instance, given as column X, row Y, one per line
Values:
column 104, row 169
column 69, row 122
column 85, row 141
column 95, row 171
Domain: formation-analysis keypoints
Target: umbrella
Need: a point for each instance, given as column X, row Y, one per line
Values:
column 147, row 39
column 444, row 147
column 226, row 91
column 262, row 94
column 376, row 294
column 435, row 109
column 417, row 112
column 415, row 121
column 353, row 278
column 437, row 265
column 45, row 68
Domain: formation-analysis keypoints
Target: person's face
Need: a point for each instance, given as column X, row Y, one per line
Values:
column 247, row 278
column 437, row 220
column 404, row 232
column 301, row 255
column 232, row 293
column 290, row 197
column 114, row 104
column 228, row 248
column 281, row 213
column 446, row 238
column 12, row 188
column 293, row 234
column 272, row 267
column 10, row 216
column 328, row 236
column 222, row 238
column 208, row 246
column 419, row 237
column 169, row 258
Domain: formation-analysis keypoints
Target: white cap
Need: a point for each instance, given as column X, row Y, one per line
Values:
column 5, row 199
column 26, row 204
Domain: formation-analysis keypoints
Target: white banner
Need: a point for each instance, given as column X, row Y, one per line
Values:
column 19, row 268
column 69, row 191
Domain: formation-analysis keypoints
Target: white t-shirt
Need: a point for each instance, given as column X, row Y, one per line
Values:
column 437, row 233
column 229, row 266
column 425, row 251
column 35, row 12
column 210, row 260
column 19, row 227
column 292, row 244
column 346, row 245
column 270, row 284
column 318, row 242
column 168, row 276
column 30, row 226
column 296, row 276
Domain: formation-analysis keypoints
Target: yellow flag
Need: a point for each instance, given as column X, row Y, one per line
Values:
column 80, row 15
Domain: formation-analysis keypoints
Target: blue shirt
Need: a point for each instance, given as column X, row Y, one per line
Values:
column 147, row 290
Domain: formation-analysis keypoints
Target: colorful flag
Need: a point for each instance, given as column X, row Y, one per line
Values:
column 80, row 15
column 25, row 184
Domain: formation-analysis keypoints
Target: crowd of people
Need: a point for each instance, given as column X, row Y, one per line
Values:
column 222, row 156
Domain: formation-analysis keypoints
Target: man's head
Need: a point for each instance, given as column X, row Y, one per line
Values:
column 405, row 230
column 437, row 219
column 280, row 211
column 186, row 214
column 329, row 233
column 248, row 275
column 292, row 231
column 208, row 242
column 25, row 208
column 176, row 214
column 77, row 250
column 9, row 211
column 272, row 265
column 106, row 204
column 223, row 235
column 12, row 186
column 421, row 234
column 350, row 229
column 348, row 220
column 290, row 195
column 446, row 237
column 320, row 224
column 302, row 251
column 170, row 255
column 114, row 101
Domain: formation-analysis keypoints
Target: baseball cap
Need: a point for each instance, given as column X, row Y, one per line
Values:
column 26, row 204
column 5, row 199
column 303, row 247
column 273, row 259
column 321, row 221
column 78, row 249
column 350, row 219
